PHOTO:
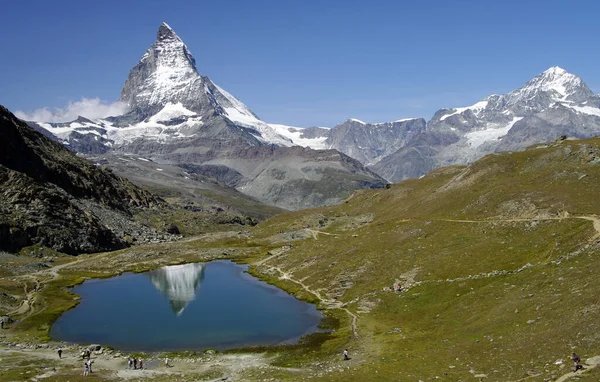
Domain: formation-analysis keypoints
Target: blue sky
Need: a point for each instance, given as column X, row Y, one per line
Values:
column 302, row 63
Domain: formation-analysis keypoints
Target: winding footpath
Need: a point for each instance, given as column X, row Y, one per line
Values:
column 333, row 304
column 327, row 303
column 26, row 308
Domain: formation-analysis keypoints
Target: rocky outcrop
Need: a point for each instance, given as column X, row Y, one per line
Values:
column 48, row 195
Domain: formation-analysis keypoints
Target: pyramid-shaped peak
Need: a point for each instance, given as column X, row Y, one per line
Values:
column 557, row 73
column 163, row 75
column 558, row 80
column 555, row 70
column 554, row 84
column 165, row 32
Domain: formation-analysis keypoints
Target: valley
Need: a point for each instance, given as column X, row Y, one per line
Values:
column 497, row 262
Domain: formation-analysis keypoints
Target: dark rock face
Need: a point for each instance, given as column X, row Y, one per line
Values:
column 37, row 214
column 223, row 174
column 42, row 187
column 296, row 177
column 369, row 143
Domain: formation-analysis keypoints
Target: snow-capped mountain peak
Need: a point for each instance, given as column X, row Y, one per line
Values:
column 166, row 32
column 557, row 80
column 553, row 85
column 168, row 99
column 163, row 75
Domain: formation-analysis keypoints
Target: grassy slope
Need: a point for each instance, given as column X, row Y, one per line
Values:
column 498, row 266
column 517, row 209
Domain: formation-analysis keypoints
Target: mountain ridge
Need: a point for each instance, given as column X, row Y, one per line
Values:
column 170, row 102
column 511, row 121
column 178, row 116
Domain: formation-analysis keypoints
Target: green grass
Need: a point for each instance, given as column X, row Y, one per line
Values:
column 500, row 272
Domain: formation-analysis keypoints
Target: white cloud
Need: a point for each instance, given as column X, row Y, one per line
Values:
column 86, row 107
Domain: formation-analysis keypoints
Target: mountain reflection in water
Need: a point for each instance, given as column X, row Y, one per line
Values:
column 178, row 283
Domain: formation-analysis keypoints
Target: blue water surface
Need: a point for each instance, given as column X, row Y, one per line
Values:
column 193, row 307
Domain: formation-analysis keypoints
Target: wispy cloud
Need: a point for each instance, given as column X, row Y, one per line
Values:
column 86, row 107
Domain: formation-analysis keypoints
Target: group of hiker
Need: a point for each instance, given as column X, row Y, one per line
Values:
column 87, row 365
column 134, row 363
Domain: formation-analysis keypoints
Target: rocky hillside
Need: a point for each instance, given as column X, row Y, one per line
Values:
column 287, row 177
column 51, row 197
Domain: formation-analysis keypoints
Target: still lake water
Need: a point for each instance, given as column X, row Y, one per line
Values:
column 192, row 306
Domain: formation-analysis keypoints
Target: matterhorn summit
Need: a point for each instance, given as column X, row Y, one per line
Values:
column 167, row 100
column 166, row 88
column 178, row 117
column 165, row 74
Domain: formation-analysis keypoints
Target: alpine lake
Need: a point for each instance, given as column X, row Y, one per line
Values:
column 214, row 305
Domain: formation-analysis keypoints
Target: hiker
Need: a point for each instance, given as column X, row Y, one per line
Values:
column 575, row 358
column 141, row 364
column 346, row 358
column 167, row 362
column 59, row 352
column 129, row 362
column 399, row 288
column 2, row 323
column 85, row 369
column 134, row 363
column 89, row 363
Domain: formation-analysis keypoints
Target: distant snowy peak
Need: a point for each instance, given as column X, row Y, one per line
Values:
column 538, row 94
column 312, row 137
column 380, row 123
column 402, row 120
column 165, row 32
column 554, row 84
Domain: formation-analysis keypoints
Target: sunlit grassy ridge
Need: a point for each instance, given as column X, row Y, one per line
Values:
column 497, row 261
